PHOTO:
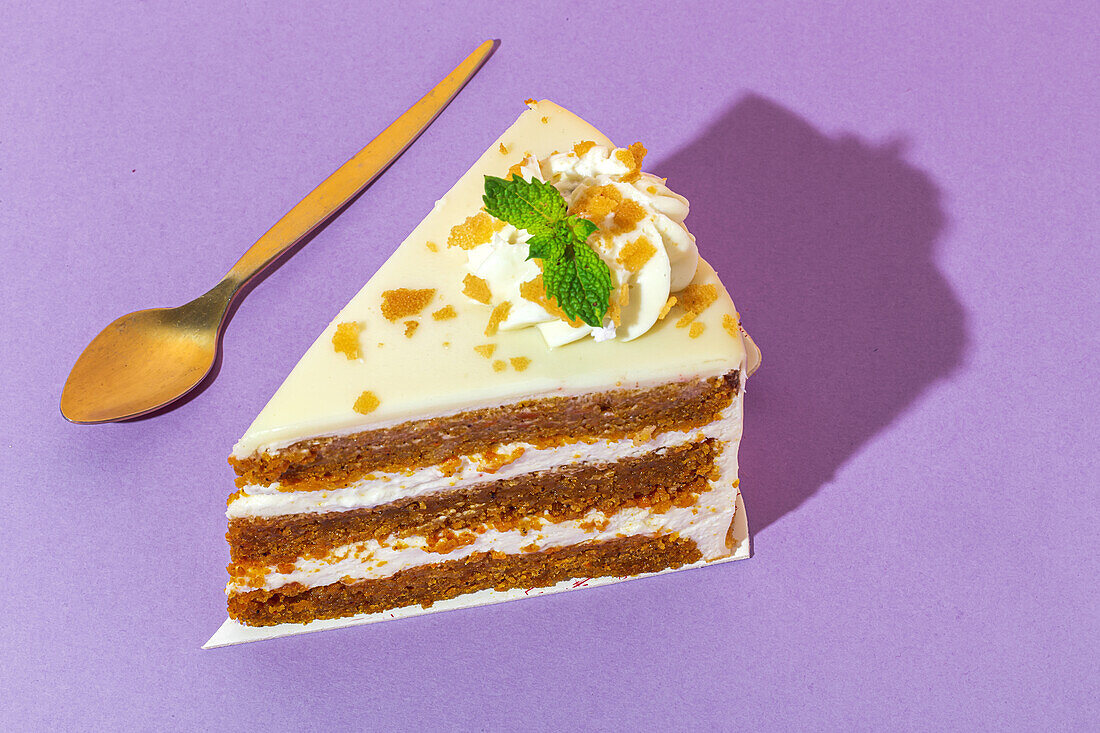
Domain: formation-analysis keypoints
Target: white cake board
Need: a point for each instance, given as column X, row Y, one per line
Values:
column 232, row 632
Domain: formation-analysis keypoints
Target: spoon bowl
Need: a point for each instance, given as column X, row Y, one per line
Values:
column 145, row 360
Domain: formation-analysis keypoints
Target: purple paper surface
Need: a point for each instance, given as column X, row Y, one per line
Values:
column 901, row 197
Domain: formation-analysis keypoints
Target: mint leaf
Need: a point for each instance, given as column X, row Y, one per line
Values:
column 581, row 283
column 572, row 272
column 532, row 205
column 582, row 229
column 549, row 245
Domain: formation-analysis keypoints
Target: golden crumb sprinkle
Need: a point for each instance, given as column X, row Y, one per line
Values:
column 477, row 289
column 696, row 330
column 514, row 171
column 596, row 202
column 499, row 314
column 730, row 324
column 499, row 365
column 545, row 120
column 367, row 403
column 666, row 307
column 486, row 350
column 404, row 302
column 503, row 149
column 638, row 154
column 616, row 306
column 477, row 229
column 445, row 313
column 635, row 254
column 685, row 320
column 519, row 363
column 697, row 298
column 410, row 328
column 432, row 246
column 534, row 290
column 529, row 102
column 345, row 340
column 627, row 216
column 583, row 147
column 615, row 312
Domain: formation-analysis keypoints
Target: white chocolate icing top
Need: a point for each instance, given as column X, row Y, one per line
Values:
column 437, row 371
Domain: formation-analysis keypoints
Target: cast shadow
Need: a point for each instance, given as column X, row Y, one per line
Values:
column 828, row 248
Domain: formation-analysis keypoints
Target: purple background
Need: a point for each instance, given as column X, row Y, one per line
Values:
column 902, row 199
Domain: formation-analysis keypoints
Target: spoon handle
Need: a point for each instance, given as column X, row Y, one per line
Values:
column 353, row 176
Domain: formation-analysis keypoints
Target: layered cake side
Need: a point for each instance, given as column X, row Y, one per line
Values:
column 455, row 438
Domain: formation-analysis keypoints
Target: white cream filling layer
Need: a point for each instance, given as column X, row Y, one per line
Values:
column 706, row 523
column 382, row 488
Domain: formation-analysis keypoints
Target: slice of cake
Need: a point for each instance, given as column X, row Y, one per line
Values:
column 540, row 390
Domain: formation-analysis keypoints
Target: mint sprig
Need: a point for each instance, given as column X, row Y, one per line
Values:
column 572, row 273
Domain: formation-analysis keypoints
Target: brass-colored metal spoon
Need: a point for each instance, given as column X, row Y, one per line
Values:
column 146, row 360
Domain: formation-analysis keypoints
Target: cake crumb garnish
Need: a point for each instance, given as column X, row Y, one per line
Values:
column 615, row 308
column 477, row 229
column 410, row 328
column 345, row 340
column 583, row 147
column 529, row 102
column 366, row 404
column 633, row 159
column 535, row 291
column 499, row 314
column 597, row 202
column 635, row 254
column 697, row 298
column 445, row 313
column 627, row 216
column 514, row 170
column 486, row 350
column 730, row 324
column 666, row 307
column 475, row 288
column 403, row 302
column 432, row 246
column 519, row 363
column 503, row 149
column 695, row 330
column 499, row 365
column 545, row 120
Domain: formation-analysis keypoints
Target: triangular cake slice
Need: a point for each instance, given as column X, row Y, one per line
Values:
column 453, row 439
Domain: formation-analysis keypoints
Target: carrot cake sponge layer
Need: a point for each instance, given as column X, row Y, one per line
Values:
column 540, row 390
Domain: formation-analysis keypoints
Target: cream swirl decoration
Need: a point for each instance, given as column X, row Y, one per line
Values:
column 641, row 237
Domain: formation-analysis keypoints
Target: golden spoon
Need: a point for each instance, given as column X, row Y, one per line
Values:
column 145, row 360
